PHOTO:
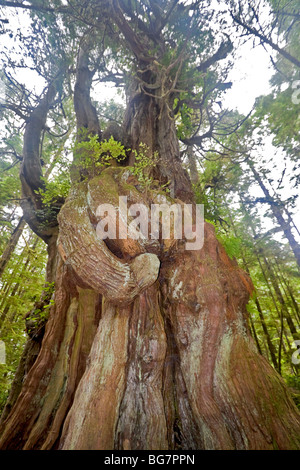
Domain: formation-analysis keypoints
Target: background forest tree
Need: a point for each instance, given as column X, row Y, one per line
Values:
column 171, row 63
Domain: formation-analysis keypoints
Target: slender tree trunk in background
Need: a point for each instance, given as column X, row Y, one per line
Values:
column 279, row 313
column 280, row 341
column 10, row 290
column 271, row 347
column 5, row 292
column 285, row 226
column 266, row 332
column 9, row 287
column 14, row 292
column 10, row 278
column 5, row 311
column 33, row 344
column 20, row 293
column 269, row 277
column 296, row 307
column 280, row 298
column 11, row 245
column 291, row 220
column 5, row 228
column 288, row 292
column 254, row 334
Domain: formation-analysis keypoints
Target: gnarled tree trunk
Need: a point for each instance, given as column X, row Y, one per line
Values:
column 147, row 345
column 169, row 363
column 174, row 367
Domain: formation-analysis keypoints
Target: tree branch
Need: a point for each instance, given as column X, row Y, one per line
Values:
column 86, row 114
column 31, row 174
column 223, row 51
column 266, row 40
column 130, row 36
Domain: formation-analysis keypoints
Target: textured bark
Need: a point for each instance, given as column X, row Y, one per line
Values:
column 86, row 114
column 150, row 121
column 31, row 173
column 174, row 368
column 91, row 260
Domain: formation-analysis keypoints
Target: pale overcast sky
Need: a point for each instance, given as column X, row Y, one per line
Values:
column 250, row 75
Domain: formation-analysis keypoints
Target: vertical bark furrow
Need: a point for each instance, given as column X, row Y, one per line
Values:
column 92, row 419
column 77, row 349
column 53, row 378
column 141, row 423
column 220, row 366
column 183, row 430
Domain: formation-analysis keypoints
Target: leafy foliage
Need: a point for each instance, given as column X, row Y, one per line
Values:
column 20, row 287
column 143, row 165
column 95, row 155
